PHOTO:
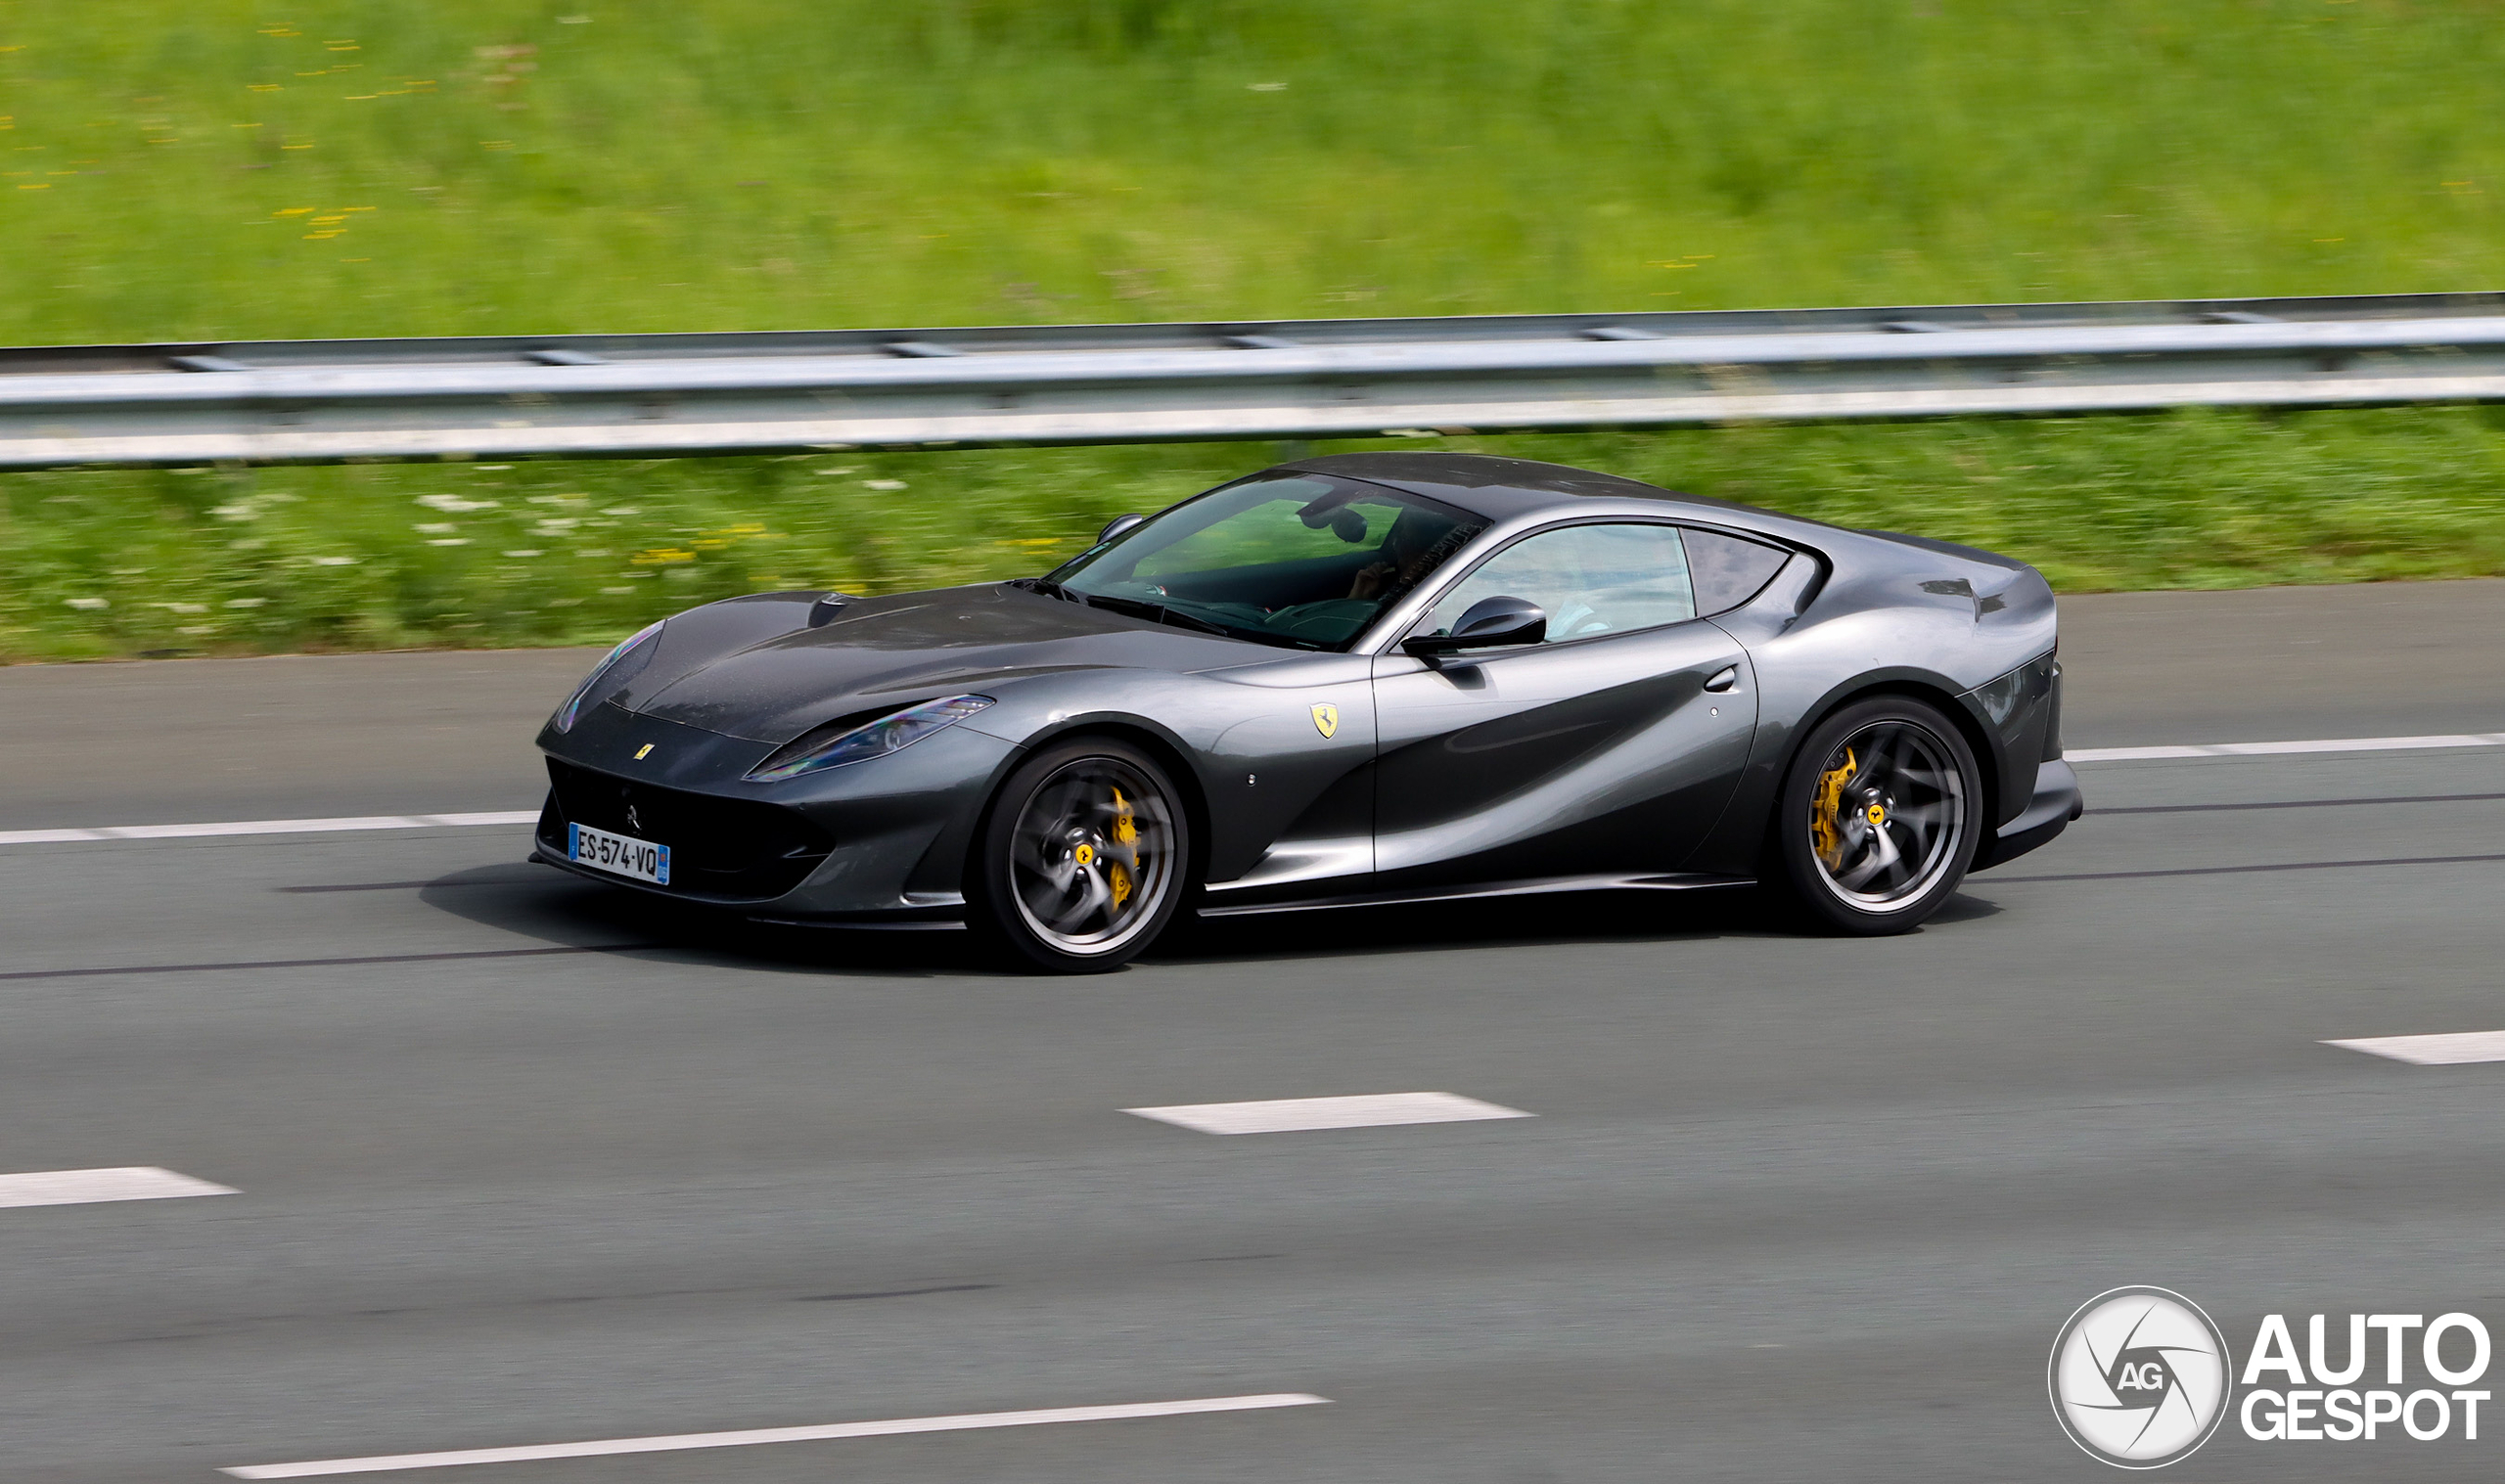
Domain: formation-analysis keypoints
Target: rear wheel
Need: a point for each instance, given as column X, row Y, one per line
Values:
column 1879, row 817
column 1080, row 864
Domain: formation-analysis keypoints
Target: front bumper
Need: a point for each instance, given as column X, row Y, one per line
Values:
column 723, row 850
column 880, row 841
column 2056, row 803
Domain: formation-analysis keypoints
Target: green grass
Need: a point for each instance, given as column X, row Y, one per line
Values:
column 224, row 169
column 396, row 555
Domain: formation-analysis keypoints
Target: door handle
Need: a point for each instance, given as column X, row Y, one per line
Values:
column 1723, row 679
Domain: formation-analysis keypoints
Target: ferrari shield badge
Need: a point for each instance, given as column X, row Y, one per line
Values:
column 1326, row 718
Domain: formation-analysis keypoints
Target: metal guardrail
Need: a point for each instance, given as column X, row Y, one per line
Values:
column 581, row 396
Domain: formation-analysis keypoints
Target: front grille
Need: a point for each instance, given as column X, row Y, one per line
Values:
column 725, row 848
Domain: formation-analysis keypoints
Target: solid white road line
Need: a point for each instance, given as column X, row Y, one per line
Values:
column 2273, row 749
column 2454, row 1049
column 530, row 816
column 264, row 827
column 71, row 1188
column 606, row 1447
column 1284, row 1114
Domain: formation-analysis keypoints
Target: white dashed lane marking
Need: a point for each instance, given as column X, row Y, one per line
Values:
column 611, row 1446
column 2275, row 748
column 2456, row 1049
column 71, row 1188
column 264, row 827
column 1286, row 1114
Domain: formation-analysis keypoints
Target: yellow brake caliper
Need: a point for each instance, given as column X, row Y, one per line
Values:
column 1125, row 833
column 1824, row 807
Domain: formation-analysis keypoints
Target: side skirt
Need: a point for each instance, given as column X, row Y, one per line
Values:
column 1534, row 887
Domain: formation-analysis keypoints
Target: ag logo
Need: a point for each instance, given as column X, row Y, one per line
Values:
column 1326, row 718
column 2139, row 1377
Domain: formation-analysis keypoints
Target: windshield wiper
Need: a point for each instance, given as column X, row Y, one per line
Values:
column 1140, row 609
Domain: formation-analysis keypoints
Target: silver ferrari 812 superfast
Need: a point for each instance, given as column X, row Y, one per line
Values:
column 1345, row 681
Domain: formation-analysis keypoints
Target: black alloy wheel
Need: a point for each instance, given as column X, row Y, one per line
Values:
column 1879, row 817
column 1080, row 863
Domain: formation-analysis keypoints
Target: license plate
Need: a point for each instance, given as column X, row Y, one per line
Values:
column 617, row 854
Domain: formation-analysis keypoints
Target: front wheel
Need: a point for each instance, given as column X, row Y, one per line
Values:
column 1879, row 817
column 1081, row 862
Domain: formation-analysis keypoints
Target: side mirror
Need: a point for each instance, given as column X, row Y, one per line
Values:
column 1488, row 623
column 1118, row 525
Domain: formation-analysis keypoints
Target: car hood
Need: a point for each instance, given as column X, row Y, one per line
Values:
column 899, row 650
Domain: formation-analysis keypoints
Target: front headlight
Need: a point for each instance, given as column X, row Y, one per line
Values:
column 564, row 718
column 814, row 750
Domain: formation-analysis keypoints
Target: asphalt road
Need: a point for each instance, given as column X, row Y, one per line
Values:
column 1790, row 1208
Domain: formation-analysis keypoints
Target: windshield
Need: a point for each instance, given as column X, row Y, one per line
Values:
column 1304, row 561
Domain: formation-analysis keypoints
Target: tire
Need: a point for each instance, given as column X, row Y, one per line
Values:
column 1082, row 859
column 1878, row 819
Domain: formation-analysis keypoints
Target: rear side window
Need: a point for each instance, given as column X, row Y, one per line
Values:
column 1728, row 571
column 1590, row 579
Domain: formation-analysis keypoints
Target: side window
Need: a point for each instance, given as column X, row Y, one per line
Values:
column 1728, row 571
column 1590, row 579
